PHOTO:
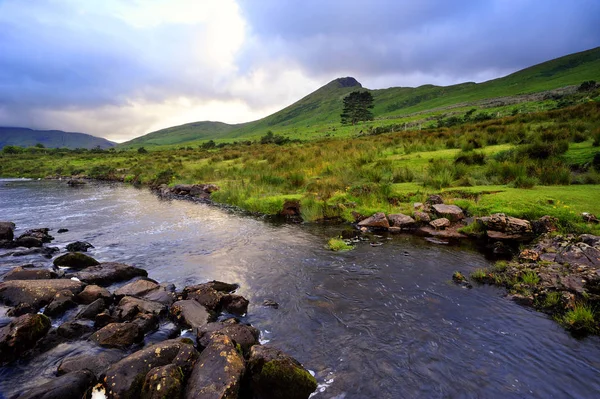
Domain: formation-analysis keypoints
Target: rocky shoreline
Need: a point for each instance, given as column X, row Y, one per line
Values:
column 223, row 360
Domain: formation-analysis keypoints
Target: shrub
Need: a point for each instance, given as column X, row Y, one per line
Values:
column 474, row 158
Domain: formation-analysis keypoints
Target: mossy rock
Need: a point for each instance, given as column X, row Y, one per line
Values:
column 75, row 260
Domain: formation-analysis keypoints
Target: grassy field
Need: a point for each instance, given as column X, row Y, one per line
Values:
column 526, row 165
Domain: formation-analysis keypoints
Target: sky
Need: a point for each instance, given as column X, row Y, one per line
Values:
column 123, row 68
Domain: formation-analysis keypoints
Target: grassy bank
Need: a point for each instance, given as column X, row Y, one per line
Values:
column 525, row 165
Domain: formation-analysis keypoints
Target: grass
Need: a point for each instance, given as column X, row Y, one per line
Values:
column 337, row 244
column 530, row 278
column 580, row 319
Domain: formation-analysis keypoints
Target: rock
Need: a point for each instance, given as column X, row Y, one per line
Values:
column 450, row 233
column 73, row 330
column 164, row 294
column 146, row 322
column 450, row 212
column 21, row 334
column 499, row 222
column 46, row 252
column 60, row 231
column 76, row 182
column 241, row 334
column 7, row 231
column 218, row 372
column 220, row 286
column 7, row 244
column 275, row 375
column 92, row 310
column 79, row 246
column 402, row 221
column 579, row 254
column 108, row 273
column 498, row 235
column 137, row 288
column 235, row 304
column 440, row 223
column 41, row 234
column 206, row 296
column 589, row 218
column 545, row 224
column 104, row 319
column 129, row 307
column 163, row 382
column 591, row 240
column 75, row 260
column 75, row 385
column 417, row 206
column 422, row 217
column 36, row 293
column 270, row 303
column 118, row 335
column 126, row 378
column 434, row 200
column 28, row 242
column 190, row 313
column 460, row 279
column 29, row 272
column 529, row 256
column 377, row 221
column 291, row 208
column 63, row 301
column 92, row 292
column 97, row 363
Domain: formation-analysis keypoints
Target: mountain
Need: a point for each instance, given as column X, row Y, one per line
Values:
column 319, row 112
column 23, row 137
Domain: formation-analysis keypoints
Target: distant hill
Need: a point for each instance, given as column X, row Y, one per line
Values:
column 23, row 137
column 321, row 109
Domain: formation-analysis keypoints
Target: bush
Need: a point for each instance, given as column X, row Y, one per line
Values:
column 544, row 150
column 474, row 158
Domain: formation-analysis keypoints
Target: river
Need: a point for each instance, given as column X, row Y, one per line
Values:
column 374, row 322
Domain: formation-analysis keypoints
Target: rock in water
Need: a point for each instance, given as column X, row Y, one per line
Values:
column 79, row 246
column 190, row 313
column 243, row 335
column 75, row 260
column 218, row 372
column 36, row 293
column 108, row 273
column 73, row 385
column 275, row 375
column 402, row 221
column 378, row 221
column 7, row 231
column 21, row 335
column 137, row 288
column 163, row 382
column 440, row 223
column 29, row 272
column 118, row 335
column 93, row 292
column 97, row 363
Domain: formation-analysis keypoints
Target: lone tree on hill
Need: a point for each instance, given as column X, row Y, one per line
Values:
column 357, row 107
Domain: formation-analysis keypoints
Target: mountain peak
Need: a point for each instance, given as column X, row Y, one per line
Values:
column 347, row 82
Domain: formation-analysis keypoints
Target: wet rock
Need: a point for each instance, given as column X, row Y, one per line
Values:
column 46, row 252
column 74, row 330
column 270, row 303
column 7, row 231
column 460, row 279
column 108, row 273
column 118, row 335
column 21, row 335
column 21, row 309
column 291, row 208
column 75, row 385
column 579, row 254
column 440, row 224
column 29, row 272
column 275, row 375
column 97, row 363
column 220, row 286
column 92, row 292
column 75, row 182
column 190, row 313
column 164, row 294
column 28, row 242
column 75, row 260
column 545, row 224
column 92, row 310
column 125, row 378
column 422, row 217
column 63, row 301
column 529, row 255
column 146, row 322
column 60, row 231
column 206, row 296
column 128, row 308
column 137, row 288
column 7, row 244
column 591, row 240
column 241, row 334
column 235, row 304
column 434, row 199
column 41, row 234
column 163, row 382
column 103, row 319
column 377, row 221
column 218, row 372
column 36, row 293
column 450, row 233
column 450, row 212
column 402, row 221
column 79, row 246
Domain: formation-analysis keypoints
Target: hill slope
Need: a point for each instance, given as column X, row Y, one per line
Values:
column 320, row 110
column 23, row 137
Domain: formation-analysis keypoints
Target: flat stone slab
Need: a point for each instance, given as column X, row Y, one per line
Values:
column 108, row 273
column 450, row 212
column 36, row 293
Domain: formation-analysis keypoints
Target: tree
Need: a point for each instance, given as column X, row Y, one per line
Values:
column 357, row 107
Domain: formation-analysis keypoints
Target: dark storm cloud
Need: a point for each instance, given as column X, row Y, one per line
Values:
column 457, row 39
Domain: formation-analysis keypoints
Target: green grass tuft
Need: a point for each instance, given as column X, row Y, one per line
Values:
column 337, row 244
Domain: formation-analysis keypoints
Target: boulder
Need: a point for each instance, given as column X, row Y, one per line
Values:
column 74, row 330
column 79, row 246
column 190, row 314
column 275, row 375
column 137, row 288
column 75, row 385
column 505, row 224
column 7, row 231
column 97, row 363
column 125, row 378
column 36, row 293
column 108, row 273
column 579, row 254
column 21, row 334
column 46, row 252
column 129, row 307
column 92, row 292
column 450, row 212
column 146, row 322
column 75, row 260
column 163, row 382
column 41, row 234
column 103, row 319
column 241, row 334
column 118, row 335
column 440, row 224
column 235, row 304
column 206, row 296
column 421, row 217
column 29, row 272
column 377, row 221
column 291, row 208
column 401, row 221
column 218, row 372
column 545, row 224
column 591, row 240
column 60, row 231
column 28, row 242
column 434, row 199
column 63, row 301
column 92, row 310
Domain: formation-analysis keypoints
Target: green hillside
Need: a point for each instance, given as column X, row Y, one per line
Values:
column 22, row 137
column 318, row 114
